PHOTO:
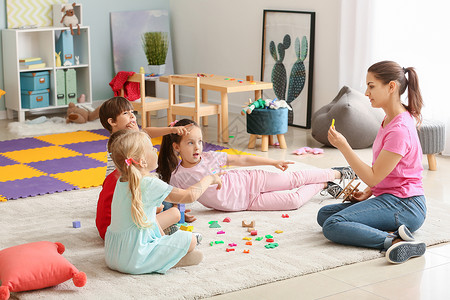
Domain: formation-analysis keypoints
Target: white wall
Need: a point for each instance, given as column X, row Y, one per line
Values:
column 225, row 37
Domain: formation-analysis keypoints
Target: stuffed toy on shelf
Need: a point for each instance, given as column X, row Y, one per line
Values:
column 69, row 18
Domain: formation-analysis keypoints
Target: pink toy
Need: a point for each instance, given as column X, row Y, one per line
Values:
column 220, row 232
column 227, row 219
column 316, row 151
column 305, row 150
column 302, row 150
column 232, row 244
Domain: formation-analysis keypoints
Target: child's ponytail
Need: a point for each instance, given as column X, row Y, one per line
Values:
column 167, row 158
column 127, row 151
column 134, row 177
column 415, row 101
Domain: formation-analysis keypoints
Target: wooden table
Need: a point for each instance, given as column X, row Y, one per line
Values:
column 225, row 85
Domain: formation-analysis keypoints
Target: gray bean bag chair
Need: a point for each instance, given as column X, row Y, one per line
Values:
column 354, row 117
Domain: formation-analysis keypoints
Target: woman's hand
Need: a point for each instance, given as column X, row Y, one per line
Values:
column 361, row 196
column 182, row 130
column 282, row 164
column 335, row 138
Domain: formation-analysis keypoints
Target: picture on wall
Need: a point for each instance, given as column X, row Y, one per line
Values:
column 288, row 59
column 128, row 29
column 36, row 13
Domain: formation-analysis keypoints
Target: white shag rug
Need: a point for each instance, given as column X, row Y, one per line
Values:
column 302, row 247
column 44, row 125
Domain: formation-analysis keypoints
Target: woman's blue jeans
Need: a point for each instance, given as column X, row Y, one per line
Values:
column 368, row 223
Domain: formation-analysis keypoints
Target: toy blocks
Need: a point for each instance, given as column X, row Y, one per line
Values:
column 251, row 224
column 187, row 228
column 182, row 209
column 348, row 191
column 76, row 224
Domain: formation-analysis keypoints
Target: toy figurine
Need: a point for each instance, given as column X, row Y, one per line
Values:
column 58, row 59
column 260, row 103
column 276, row 104
column 69, row 18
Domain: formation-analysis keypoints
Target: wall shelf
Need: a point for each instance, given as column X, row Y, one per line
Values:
column 41, row 42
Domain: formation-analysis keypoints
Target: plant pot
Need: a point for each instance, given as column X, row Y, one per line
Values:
column 157, row 69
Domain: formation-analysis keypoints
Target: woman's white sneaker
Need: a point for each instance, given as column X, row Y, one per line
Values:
column 405, row 234
column 402, row 251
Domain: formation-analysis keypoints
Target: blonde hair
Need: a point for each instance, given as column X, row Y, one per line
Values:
column 127, row 151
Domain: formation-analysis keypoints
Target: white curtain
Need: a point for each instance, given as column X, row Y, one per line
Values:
column 414, row 33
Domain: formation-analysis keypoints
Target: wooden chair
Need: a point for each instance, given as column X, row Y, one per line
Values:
column 195, row 109
column 145, row 104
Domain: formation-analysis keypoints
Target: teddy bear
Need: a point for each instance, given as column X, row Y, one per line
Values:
column 80, row 115
column 69, row 18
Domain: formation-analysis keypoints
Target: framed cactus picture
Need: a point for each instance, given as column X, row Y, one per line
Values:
column 288, row 60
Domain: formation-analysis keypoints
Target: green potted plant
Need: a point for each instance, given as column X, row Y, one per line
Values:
column 156, row 46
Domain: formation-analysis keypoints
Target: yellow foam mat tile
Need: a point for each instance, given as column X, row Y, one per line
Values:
column 16, row 172
column 235, row 152
column 40, row 154
column 83, row 178
column 157, row 141
column 72, row 137
column 100, row 156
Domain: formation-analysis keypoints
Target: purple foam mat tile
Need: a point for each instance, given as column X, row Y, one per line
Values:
column 206, row 147
column 33, row 186
column 4, row 161
column 101, row 132
column 88, row 147
column 67, row 164
column 22, row 144
column 212, row 147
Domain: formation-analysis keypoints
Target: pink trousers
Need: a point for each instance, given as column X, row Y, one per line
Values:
column 265, row 186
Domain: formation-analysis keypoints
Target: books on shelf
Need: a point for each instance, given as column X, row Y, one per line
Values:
column 29, row 59
column 35, row 66
column 27, row 63
column 32, row 63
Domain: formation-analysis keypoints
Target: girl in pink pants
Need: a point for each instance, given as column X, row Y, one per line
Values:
column 241, row 189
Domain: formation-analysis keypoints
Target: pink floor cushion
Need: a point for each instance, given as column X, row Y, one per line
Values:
column 35, row 266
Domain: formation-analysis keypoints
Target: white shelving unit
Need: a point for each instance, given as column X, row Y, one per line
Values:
column 40, row 42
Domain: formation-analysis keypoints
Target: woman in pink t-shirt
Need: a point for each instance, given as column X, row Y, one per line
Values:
column 242, row 189
column 398, row 207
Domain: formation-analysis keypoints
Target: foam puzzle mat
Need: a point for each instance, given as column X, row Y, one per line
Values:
column 59, row 162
